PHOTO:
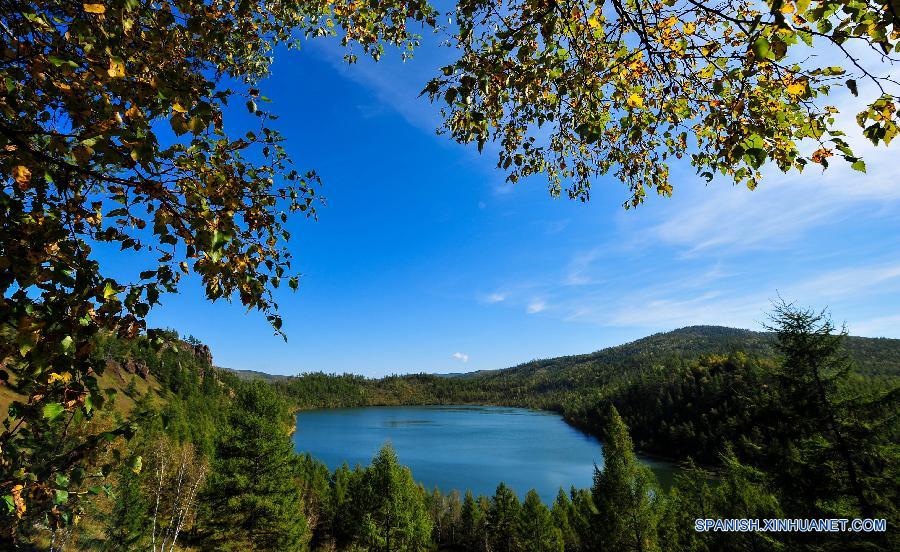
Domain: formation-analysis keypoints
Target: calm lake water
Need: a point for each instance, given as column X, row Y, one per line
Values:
column 462, row 447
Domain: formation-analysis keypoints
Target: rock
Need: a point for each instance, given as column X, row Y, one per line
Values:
column 202, row 351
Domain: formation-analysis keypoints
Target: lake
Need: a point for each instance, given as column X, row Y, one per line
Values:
column 462, row 447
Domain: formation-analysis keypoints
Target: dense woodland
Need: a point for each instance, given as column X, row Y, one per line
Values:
column 210, row 464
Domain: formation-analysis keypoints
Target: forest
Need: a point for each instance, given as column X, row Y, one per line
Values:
column 793, row 428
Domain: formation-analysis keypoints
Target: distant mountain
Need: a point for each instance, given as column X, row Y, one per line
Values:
column 873, row 356
column 248, row 375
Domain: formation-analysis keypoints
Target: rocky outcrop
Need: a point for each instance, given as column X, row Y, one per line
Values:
column 130, row 366
column 202, row 351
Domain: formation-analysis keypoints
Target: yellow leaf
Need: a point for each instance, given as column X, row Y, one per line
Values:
column 635, row 101
column 64, row 377
column 797, row 88
column 179, row 108
column 787, row 8
column 95, row 8
column 116, row 68
column 21, row 174
column 689, row 28
column 593, row 22
column 18, row 500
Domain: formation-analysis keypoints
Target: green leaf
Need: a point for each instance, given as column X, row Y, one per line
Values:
column 52, row 411
column 859, row 166
column 67, row 344
column 61, row 480
column 10, row 503
column 761, row 48
column 60, row 496
column 109, row 290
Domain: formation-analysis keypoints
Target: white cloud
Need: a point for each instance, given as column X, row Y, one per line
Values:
column 578, row 272
column 785, row 207
column 852, row 281
column 492, row 298
column 536, row 306
column 463, row 357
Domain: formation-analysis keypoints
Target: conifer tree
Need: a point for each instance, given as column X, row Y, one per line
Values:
column 562, row 512
column 127, row 521
column 388, row 507
column 536, row 529
column 503, row 520
column 583, row 515
column 251, row 500
column 831, row 454
column 625, row 493
column 472, row 525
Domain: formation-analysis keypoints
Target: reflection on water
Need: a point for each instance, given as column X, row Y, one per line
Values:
column 462, row 447
column 402, row 423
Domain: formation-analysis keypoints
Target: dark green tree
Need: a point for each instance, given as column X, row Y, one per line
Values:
column 503, row 520
column 537, row 531
column 251, row 500
column 582, row 517
column 625, row 493
column 472, row 525
column 128, row 519
column 562, row 518
column 832, row 454
column 388, row 508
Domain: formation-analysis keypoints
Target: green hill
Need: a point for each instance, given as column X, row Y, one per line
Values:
column 682, row 392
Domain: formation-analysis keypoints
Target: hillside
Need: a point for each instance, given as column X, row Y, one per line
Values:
column 249, row 375
column 872, row 356
column 682, row 392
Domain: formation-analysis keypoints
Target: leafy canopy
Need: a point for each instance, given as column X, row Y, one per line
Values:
column 574, row 90
column 112, row 135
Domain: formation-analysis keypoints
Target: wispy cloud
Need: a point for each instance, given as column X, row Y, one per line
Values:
column 536, row 306
column 393, row 82
column 492, row 298
column 462, row 357
column 853, row 281
column 785, row 207
column 579, row 272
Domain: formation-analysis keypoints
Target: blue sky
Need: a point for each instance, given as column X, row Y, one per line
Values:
column 424, row 261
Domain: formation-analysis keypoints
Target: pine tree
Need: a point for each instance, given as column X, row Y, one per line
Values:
column 388, row 507
column 503, row 520
column 472, row 525
column 128, row 520
column 562, row 518
column 831, row 454
column 625, row 493
column 537, row 531
column 251, row 500
column 582, row 518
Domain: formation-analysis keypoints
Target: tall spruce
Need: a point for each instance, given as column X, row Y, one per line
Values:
column 537, row 531
column 503, row 518
column 251, row 500
column 472, row 525
column 625, row 493
column 388, row 508
column 830, row 450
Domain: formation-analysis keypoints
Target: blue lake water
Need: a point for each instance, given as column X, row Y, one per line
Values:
column 462, row 447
